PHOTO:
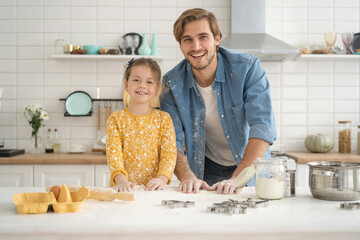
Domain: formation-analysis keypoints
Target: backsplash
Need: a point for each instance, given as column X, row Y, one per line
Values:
column 308, row 97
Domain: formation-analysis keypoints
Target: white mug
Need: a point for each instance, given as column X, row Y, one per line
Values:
column 77, row 148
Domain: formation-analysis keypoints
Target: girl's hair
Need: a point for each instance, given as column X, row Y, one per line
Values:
column 155, row 69
column 195, row 14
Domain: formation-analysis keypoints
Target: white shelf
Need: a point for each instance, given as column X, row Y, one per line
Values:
column 100, row 57
column 328, row 57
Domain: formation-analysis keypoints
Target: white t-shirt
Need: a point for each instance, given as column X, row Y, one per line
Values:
column 216, row 147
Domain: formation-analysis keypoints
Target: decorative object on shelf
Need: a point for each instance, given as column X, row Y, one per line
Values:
column 114, row 51
column 35, row 115
column 319, row 143
column 340, row 50
column 92, row 49
column 330, row 39
column 104, row 51
column 130, row 43
column 68, row 48
column 347, row 39
column 78, row 103
column 154, row 46
column 344, row 136
column 59, row 45
column 356, row 44
column 144, row 49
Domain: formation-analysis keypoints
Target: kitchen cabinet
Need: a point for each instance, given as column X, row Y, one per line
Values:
column 70, row 174
column 102, row 175
column 14, row 175
column 100, row 57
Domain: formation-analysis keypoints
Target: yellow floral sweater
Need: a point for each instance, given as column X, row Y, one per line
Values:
column 141, row 147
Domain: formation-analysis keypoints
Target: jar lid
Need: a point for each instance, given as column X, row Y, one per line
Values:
column 275, row 160
column 344, row 121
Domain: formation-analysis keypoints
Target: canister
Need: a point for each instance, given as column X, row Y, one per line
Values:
column 270, row 178
column 344, row 136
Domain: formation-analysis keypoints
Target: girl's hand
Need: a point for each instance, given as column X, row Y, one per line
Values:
column 157, row 184
column 124, row 186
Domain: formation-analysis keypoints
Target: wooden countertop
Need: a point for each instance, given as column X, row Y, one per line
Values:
column 305, row 157
column 56, row 158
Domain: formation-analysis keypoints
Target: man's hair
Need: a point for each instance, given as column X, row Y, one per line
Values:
column 195, row 14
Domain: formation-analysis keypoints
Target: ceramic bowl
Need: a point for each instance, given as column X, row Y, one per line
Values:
column 92, row 49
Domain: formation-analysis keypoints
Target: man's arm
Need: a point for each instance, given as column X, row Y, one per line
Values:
column 188, row 181
column 254, row 149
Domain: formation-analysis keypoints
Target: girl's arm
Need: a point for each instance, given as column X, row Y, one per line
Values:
column 114, row 154
column 168, row 148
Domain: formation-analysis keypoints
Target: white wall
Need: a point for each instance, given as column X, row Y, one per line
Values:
column 308, row 97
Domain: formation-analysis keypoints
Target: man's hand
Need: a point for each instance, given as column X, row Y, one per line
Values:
column 191, row 184
column 157, row 184
column 225, row 187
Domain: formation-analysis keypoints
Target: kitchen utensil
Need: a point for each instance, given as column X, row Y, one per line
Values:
column 336, row 181
column 350, row 206
column 78, row 103
column 92, row 49
column 130, row 43
column 245, row 176
column 105, row 194
column 356, row 43
column 98, row 144
column 11, row 152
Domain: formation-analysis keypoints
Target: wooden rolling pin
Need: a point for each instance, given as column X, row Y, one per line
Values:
column 103, row 194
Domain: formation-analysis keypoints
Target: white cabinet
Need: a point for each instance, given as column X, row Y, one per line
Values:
column 102, row 175
column 15, row 175
column 69, row 174
column 302, row 175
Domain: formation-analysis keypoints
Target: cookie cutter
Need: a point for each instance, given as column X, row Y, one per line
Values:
column 350, row 206
column 177, row 203
column 237, row 207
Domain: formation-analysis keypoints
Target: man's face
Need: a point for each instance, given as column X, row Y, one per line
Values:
column 198, row 44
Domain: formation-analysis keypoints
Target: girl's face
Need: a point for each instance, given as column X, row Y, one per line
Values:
column 142, row 85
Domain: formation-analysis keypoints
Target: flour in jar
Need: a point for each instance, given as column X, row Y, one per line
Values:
column 269, row 188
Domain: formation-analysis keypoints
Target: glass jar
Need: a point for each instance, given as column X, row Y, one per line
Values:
column 270, row 178
column 59, row 45
column 344, row 136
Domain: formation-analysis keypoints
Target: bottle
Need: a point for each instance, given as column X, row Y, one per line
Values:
column 144, row 49
column 49, row 143
column 154, row 46
column 358, row 139
column 56, row 142
column 344, row 136
column 59, row 45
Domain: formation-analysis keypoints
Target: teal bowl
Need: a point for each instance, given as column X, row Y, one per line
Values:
column 92, row 49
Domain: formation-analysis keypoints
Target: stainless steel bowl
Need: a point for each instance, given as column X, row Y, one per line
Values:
column 336, row 181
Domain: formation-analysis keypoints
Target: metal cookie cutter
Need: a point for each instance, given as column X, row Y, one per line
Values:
column 177, row 203
column 237, row 207
column 350, row 206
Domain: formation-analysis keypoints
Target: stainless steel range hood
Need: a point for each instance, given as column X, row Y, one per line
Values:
column 248, row 33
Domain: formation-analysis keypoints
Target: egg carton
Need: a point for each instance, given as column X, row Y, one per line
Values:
column 39, row 203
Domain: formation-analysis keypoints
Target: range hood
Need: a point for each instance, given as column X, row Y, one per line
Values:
column 248, row 33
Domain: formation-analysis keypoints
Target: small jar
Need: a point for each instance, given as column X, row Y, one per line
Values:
column 344, row 136
column 270, row 178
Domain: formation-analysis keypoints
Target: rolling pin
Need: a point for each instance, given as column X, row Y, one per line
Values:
column 103, row 194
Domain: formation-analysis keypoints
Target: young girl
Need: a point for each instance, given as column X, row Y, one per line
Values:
column 141, row 142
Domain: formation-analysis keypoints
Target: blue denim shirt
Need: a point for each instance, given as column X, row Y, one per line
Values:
column 243, row 102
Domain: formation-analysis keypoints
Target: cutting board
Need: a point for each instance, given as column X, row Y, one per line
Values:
column 305, row 157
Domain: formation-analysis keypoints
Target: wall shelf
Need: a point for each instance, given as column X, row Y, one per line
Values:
column 327, row 57
column 101, row 57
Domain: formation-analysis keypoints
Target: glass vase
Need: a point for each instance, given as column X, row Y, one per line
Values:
column 36, row 146
column 144, row 49
column 154, row 46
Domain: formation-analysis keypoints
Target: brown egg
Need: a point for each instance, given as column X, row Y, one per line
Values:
column 56, row 190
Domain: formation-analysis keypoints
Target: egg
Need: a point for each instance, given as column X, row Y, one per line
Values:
column 56, row 190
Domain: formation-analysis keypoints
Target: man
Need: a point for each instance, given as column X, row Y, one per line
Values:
column 220, row 104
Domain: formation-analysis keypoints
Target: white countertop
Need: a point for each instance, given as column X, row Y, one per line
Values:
column 300, row 217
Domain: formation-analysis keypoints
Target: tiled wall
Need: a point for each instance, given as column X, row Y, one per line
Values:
column 308, row 97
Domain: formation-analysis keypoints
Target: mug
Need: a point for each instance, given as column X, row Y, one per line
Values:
column 77, row 148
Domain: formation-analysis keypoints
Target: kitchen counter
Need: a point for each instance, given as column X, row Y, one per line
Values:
column 305, row 157
column 290, row 218
column 56, row 158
